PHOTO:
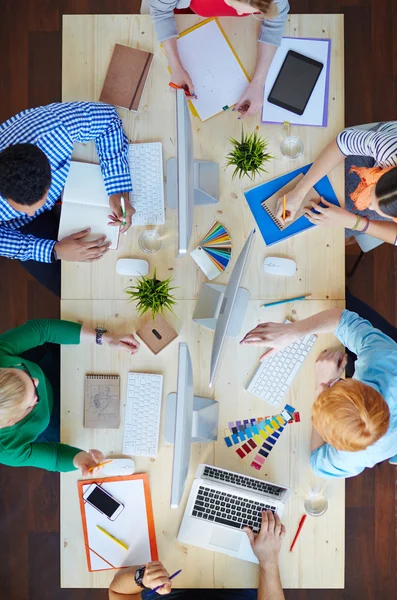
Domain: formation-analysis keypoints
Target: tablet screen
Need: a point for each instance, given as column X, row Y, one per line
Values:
column 295, row 82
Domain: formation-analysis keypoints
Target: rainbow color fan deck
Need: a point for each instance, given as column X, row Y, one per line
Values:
column 214, row 252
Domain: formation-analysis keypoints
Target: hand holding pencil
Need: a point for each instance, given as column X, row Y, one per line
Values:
column 288, row 205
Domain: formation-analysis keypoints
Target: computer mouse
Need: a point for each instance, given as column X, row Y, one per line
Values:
column 279, row 266
column 116, row 468
column 132, row 267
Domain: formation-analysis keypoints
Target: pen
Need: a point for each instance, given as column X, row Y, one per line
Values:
column 112, row 538
column 178, row 87
column 301, row 522
column 288, row 300
column 99, row 465
column 123, row 210
column 160, row 586
column 285, row 207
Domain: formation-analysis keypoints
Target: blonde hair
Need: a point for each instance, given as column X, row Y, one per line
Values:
column 266, row 7
column 12, row 395
column 351, row 415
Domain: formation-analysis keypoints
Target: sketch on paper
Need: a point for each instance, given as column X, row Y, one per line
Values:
column 102, row 402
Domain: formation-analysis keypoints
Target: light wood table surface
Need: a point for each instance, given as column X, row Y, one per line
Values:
column 318, row 558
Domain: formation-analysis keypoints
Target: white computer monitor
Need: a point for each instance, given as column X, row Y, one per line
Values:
column 189, row 182
column 188, row 419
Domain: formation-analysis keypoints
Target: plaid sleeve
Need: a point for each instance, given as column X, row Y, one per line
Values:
column 24, row 247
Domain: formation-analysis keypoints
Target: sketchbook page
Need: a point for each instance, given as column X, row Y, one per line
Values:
column 130, row 527
column 76, row 217
column 102, row 402
column 317, row 108
column 271, row 202
column 84, row 185
column 217, row 76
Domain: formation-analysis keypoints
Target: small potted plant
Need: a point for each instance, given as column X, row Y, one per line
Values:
column 152, row 294
column 248, row 155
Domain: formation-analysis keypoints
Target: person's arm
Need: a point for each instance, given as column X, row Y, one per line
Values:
column 278, row 336
column 123, row 586
column 266, row 546
column 18, row 246
column 328, row 463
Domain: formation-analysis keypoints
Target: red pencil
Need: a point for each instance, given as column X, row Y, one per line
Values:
column 301, row 522
column 178, row 87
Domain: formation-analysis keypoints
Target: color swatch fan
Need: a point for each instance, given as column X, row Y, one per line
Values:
column 214, row 252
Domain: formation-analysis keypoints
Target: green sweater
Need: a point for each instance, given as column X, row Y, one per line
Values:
column 18, row 447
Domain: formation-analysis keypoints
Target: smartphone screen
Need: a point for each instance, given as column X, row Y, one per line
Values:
column 103, row 502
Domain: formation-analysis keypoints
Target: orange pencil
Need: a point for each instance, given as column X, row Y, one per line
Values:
column 99, row 465
column 178, row 87
column 301, row 522
column 285, row 207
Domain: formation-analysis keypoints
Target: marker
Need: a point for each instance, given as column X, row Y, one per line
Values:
column 301, row 523
column 288, row 300
column 178, row 87
column 160, row 586
column 123, row 210
column 113, row 538
column 99, row 465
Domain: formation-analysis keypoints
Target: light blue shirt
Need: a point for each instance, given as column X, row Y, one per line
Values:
column 376, row 365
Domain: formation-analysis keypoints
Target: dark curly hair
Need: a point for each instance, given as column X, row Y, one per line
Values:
column 25, row 174
column 386, row 192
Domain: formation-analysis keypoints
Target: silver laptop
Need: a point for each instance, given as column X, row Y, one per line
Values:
column 221, row 503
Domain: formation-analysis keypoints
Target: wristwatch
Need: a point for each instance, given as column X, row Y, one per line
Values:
column 54, row 257
column 99, row 333
column 139, row 575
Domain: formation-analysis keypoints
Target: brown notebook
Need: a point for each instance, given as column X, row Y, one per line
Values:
column 126, row 77
column 102, row 402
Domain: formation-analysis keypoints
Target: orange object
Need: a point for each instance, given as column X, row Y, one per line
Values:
column 368, row 179
column 301, row 522
column 99, row 465
column 285, row 207
column 178, row 87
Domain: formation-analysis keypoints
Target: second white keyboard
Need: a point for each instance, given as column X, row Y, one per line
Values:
column 147, row 196
column 274, row 375
column 142, row 414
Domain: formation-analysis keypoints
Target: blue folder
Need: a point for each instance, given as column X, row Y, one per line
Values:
column 269, row 230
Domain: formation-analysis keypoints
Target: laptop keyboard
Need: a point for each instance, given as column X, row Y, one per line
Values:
column 248, row 483
column 227, row 509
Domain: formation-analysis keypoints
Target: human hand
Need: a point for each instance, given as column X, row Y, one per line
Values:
column 294, row 199
column 275, row 335
column 72, row 247
column 88, row 460
column 182, row 78
column 251, row 100
column 156, row 574
column 126, row 342
column 329, row 215
column 329, row 366
column 117, row 218
column 266, row 544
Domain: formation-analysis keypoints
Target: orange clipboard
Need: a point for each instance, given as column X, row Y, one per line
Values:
column 107, row 564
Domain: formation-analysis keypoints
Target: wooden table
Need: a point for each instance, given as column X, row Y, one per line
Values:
column 318, row 559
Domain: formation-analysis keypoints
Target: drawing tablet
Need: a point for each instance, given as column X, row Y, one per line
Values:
column 295, row 82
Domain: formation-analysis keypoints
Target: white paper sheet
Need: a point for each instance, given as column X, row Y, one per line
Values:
column 85, row 203
column 217, row 76
column 314, row 112
column 130, row 527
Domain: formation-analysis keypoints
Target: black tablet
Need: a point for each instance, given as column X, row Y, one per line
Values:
column 295, row 82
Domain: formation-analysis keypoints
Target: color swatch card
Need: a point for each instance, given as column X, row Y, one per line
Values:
column 214, row 252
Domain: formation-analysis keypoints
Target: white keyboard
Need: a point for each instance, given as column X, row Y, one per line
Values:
column 142, row 414
column 274, row 375
column 147, row 196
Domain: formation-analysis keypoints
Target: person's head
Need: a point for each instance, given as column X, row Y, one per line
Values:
column 18, row 395
column 350, row 415
column 384, row 194
column 25, row 177
column 266, row 7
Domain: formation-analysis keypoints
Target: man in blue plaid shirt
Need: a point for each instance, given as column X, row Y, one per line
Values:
column 35, row 153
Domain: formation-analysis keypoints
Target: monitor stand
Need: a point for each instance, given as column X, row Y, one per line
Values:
column 206, row 183
column 209, row 304
column 205, row 419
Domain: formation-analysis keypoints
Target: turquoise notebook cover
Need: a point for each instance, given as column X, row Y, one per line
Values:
column 269, row 230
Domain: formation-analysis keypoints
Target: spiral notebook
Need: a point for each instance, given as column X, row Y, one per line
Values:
column 214, row 252
column 102, row 402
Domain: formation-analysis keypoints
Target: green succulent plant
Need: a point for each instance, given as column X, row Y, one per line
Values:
column 152, row 294
column 248, row 155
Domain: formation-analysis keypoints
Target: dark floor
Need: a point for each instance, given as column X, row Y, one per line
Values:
column 30, row 50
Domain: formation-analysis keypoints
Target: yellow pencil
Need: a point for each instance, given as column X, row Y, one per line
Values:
column 285, row 207
column 112, row 538
column 99, row 465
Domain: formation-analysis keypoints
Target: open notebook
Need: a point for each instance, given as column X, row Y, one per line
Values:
column 270, row 204
column 85, row 203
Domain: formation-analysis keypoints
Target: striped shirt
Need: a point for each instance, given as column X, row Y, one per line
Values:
column 380, row 144
column 54, row 129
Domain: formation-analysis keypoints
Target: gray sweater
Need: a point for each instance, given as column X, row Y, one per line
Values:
column 162, row 12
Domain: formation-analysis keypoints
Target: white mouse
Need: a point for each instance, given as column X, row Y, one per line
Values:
column 279, row 266
column 116, row 468
column 132, row 267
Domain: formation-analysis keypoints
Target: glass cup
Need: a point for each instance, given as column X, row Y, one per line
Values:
column 291, row 146
column 150, row 241
column 316, row 504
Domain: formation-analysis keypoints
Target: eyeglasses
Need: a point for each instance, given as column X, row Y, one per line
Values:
column 26, row 370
